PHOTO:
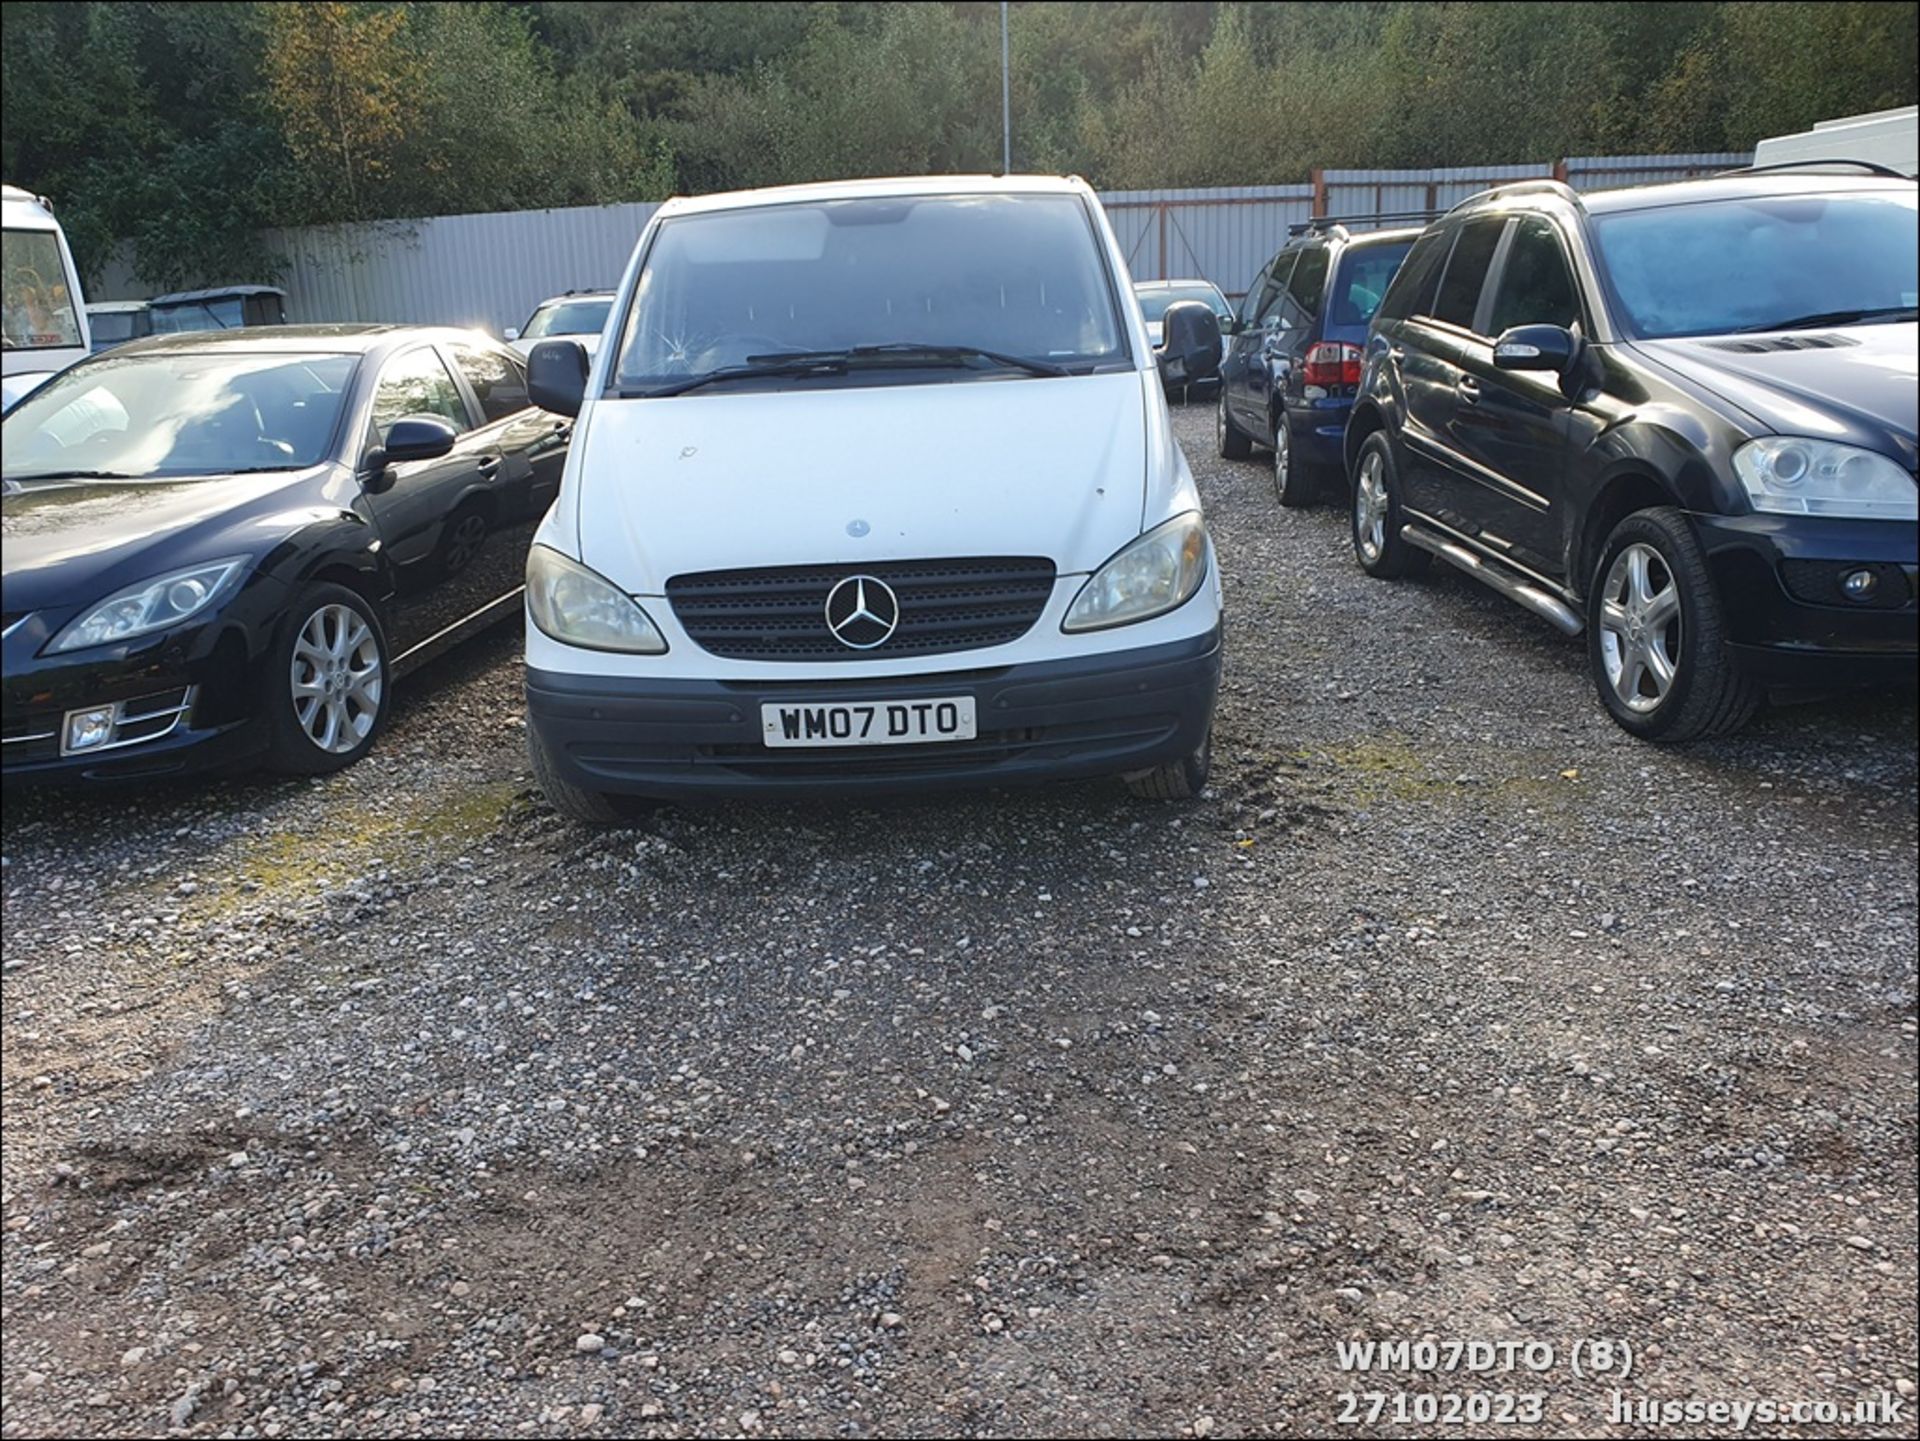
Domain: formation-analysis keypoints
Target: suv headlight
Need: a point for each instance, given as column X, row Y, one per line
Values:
column 151, row 605
column 1150, row 576
column 577, row 607
column 1794, row 475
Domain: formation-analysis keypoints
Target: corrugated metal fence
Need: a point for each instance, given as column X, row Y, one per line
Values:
column 491, row 270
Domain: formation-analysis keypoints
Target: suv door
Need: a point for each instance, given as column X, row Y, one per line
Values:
column 1428, row 351
column 1512, row 425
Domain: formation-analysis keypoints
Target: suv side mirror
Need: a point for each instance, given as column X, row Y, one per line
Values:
column 1189, row 343
column 512, row 332
column 1536, row 347
column 557, row 376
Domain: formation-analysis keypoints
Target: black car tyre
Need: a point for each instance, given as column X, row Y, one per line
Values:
column 1179, row 780
column 1233, row 443
column 327, row 683
column 1292, row 486
column 1656, row 635
column 593, row 808
column 1375, row 513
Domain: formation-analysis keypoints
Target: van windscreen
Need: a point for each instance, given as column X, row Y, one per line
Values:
column 1016, row 274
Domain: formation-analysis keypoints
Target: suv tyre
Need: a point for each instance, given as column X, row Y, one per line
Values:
column 1656, row 634
column 1233, row 444
column 1375, row 514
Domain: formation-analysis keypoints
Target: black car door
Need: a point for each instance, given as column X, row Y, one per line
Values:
column 418, row 505
column 1429, row 351
column 531, row 446
column 1511, row 426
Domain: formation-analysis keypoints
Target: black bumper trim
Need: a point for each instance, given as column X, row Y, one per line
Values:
column 1088, row 716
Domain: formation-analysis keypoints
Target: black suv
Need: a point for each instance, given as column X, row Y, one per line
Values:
column 1294, row 350
column 1679, row 418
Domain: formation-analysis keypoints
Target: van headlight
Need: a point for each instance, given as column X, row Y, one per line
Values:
column 151, row 605
column 577, row 607
column 1794, row 475
column 1150, row 576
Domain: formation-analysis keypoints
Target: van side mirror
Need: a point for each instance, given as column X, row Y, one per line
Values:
column 557, row 376
column 1189, row 343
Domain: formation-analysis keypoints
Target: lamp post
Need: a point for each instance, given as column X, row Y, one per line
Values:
column 1006, row 97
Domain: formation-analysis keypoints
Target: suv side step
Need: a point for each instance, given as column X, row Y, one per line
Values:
column 1512, row 586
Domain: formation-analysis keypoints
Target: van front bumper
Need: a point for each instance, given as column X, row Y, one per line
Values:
column 1094, row 715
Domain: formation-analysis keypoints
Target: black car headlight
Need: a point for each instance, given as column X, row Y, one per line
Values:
column 151, row 605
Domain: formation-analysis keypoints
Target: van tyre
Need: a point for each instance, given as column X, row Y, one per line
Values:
column 1376, row 515
column 1657, row 637
column 577, row 803
column 327, row 683
column 1233, row 443
column 1179, row 780
column 1292, row 486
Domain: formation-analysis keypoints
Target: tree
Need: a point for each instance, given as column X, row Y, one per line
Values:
column 338, row 76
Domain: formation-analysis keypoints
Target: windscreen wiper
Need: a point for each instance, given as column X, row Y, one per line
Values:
column 768, row 367
column 1835, row 317
column 70, row 475
column 910, row 350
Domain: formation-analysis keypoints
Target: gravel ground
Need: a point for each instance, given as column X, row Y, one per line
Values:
column 390, row 1104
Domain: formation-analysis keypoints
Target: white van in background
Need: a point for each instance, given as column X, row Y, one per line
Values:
column 1883, row 137
column 45, row 316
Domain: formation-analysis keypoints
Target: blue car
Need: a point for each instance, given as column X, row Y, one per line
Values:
column 1295, row 349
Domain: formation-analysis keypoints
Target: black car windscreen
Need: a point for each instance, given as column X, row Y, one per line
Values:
column 159, row 415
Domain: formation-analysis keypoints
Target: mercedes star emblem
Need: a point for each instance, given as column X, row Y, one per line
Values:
column 862, row 611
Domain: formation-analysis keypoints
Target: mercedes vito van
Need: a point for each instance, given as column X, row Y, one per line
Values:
column 872, row 487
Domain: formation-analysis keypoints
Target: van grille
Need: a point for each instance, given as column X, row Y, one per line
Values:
column 779, row 613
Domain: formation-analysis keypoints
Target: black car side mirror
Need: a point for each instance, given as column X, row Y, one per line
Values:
column 1189, row 343
column 417, row 437
column 1543, row 347
column 557, row 376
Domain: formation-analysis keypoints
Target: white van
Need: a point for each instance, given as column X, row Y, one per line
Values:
column 45, row 318
column 1887, row 138
column 873, row 487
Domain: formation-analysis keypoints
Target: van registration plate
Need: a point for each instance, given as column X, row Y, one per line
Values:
column 868, row 723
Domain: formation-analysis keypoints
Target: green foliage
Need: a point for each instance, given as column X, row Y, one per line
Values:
column 187, row 127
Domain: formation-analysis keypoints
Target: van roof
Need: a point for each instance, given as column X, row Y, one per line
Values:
column 909, row 185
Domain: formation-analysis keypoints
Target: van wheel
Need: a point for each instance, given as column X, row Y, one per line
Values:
column 1291, row 486
column 1179, row 780
column 577, row 803
column 327, row 683
column 1656, row 635
column 1232, row 443
column 1377, row 543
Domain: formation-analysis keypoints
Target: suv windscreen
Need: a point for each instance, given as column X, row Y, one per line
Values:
column 39, row 310
column 568, row 317
column 162, row 414
column 194, row 315
column 1763, row 262
column 1017, row 274
column 1365, row 273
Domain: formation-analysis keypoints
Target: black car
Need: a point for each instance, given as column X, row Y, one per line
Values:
column 225, row 547
column 1679, row 418
column 1293, row 354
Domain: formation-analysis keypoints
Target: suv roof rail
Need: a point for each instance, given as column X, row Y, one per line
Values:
column 1542, row 186
column 1382, row 218
column 1871, row 167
